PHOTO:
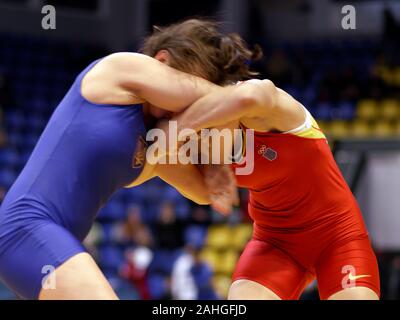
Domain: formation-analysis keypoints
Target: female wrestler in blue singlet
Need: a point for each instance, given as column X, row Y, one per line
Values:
column 93, row 146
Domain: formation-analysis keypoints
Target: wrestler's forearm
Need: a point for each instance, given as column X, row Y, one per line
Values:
column 221, row 106
column 150, row 80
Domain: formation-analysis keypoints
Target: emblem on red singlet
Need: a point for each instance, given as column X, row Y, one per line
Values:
column 268, row 153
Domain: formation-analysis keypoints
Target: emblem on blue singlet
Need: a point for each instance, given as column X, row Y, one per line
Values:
column 139, row 156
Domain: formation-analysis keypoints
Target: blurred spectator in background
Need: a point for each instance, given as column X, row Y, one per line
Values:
column 133, row 230
column 200, row 216
column 138, row 260
column 183, row 286
column 134, row 233
column 191, row 277
column 168, row 228
column 202, row 274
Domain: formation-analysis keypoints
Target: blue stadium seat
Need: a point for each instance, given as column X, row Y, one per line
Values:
column 195, row 235
column 8, row 157
column 344, row 110
column 323, row 111
column 163, row 261
column 309, row 95
column 15, row 139
column 150, row 212
column 152, row 192
column 111, row 257
column 7, row 177
column 112, row 211
column 170, row 194
column 157, row 286
column 14, row 120
column 35, row 124
column 182, row 208
column 107, row 231
column 136, row 194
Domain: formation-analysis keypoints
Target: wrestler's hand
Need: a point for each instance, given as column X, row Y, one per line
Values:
column 221, row 184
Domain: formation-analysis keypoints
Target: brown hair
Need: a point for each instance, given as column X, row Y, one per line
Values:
column 197, row 43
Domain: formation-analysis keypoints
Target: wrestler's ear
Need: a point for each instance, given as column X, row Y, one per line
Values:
column 163, row 56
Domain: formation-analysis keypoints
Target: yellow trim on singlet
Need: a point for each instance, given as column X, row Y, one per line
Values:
column 314, row 132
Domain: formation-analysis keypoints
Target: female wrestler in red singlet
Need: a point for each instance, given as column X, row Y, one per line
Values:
column 307, row 223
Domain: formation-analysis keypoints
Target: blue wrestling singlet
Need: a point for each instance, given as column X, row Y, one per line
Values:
column 85, row 154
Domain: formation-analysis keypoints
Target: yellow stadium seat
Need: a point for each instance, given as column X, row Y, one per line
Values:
column 390, row 109
column 383, row 129
column 211, row 257
column 360, row 129
column 339, row 129
column 241, row 234
column 367, row 109
column 221, row 285
column 387, row 74
column 219, row 237
column 396, row 129
column 227, row 262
